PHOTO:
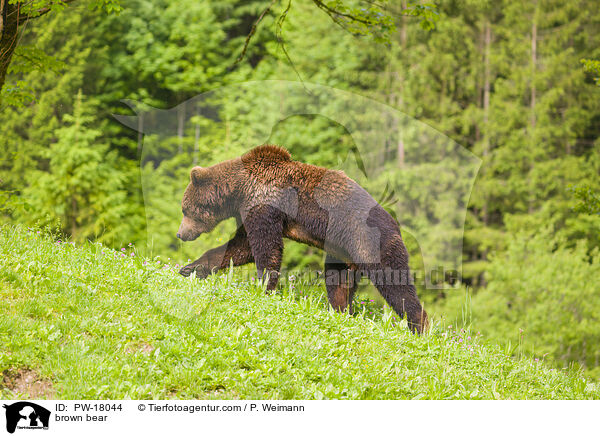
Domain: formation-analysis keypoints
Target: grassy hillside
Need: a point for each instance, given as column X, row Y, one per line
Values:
column 90, row 322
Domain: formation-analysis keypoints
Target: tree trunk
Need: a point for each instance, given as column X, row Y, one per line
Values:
column 400, row 102
column 533, row 68
column 197, row 137
column 180, row 126
column 9, row 27
column 403, row 35
column 395, row 83
column 140, row 129
column 532, row 120
column 486, row 104
column 486, row 127
column 73, row 216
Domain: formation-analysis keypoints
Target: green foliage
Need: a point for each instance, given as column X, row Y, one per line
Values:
column 98, row 323
column 110, row 6
column 35, row 8
column 540, row 299
column 28, row 58
column 589, row 200
column 427, row 12
column 374, row 19
column 592, row 66
column 83, row 187
column 17, row 93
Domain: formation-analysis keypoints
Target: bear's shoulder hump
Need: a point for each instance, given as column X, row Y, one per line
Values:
column 269, row 153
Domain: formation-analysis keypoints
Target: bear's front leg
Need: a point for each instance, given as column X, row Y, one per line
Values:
column 264, row 227
column 236, row 250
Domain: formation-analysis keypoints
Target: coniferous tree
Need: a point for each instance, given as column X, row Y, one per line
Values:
column 83, row 186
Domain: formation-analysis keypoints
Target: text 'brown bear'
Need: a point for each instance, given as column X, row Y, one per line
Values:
column 273, row 197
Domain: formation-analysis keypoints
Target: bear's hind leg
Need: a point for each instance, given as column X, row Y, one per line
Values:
column 340, row 283
column 402, row 298
column 393, row 280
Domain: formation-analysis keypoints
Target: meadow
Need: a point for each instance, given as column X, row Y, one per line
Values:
column 90, row 322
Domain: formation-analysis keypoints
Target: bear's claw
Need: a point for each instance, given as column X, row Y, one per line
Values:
column 201, row 271
column 187, row 270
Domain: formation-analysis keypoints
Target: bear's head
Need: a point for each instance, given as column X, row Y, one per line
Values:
column 205, row 202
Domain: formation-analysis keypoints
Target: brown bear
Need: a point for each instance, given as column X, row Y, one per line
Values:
column 273, row 197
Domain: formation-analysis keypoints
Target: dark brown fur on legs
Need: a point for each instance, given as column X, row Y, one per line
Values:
column 398, row 290
column 402, row 297
column 273, row 197
column 236, row 250
column 340, row 281
column 264, row 225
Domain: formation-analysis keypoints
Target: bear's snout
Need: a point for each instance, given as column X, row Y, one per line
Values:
column 189, row 230
column 186, row 236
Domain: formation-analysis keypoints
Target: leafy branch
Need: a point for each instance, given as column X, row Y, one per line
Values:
column 589, row 201
column 14, row 17
column 253, row 31
column 371, row 19
column 592, row 66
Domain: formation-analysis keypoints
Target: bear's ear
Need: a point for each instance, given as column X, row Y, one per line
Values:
column 199, row 175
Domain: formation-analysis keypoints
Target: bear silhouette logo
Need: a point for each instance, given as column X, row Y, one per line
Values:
column 26, row 415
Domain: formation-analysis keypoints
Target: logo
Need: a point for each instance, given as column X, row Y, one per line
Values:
column 26, row 415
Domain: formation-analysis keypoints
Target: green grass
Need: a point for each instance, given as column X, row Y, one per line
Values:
column 97, row 323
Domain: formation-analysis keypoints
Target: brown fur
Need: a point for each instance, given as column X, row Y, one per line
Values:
column 273, row 197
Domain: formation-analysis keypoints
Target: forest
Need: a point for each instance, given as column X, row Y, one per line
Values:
column 475, row 123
